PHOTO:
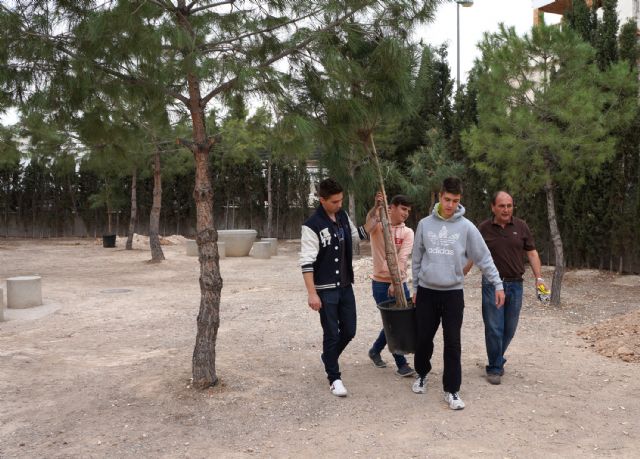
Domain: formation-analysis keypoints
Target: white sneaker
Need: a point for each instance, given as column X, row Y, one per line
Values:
column 454, row 400
column 338, row 389
column 420, row 385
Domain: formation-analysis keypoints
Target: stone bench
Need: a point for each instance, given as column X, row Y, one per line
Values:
column 261, row 250
column 274, row 244
column 24, row 292
column 1, row 305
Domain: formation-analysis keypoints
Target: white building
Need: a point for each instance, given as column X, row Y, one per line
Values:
column 626, row 8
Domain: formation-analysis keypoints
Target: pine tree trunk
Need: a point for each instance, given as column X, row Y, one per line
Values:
column 389, row 244
column 558, row 274
column 134, row 210
column 269, row 200
column 352, row 204
column 154, row 217
column 204, row 352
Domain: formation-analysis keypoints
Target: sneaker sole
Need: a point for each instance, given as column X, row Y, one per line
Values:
column 406, row 375
column 454, row 408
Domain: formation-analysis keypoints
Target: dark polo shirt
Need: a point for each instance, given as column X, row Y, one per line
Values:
column 507, row 246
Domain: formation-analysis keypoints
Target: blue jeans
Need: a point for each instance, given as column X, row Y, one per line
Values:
column 338, row 320
column 380, row 295
column 500, row 324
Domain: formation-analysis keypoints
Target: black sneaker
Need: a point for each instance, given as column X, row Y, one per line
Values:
column 376, row 359
column 405, row 371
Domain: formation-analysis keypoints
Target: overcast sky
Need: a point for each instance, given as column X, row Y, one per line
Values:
column 483, row 16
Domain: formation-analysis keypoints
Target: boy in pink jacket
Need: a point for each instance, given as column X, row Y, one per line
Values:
column 381, row 285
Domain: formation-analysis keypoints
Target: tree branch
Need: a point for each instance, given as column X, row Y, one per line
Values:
column 210, row 46
column 230, row 83
column 206, row 7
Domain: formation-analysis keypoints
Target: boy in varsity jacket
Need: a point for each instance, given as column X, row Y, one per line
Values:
column 325, row 258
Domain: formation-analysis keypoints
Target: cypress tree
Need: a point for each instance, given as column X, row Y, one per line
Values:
column 578, row 17
column 606, row 43
column 628, row 43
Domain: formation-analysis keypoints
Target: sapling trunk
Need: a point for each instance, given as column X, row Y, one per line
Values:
column 389, row 244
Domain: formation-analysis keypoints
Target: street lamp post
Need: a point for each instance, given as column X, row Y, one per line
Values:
column 465, row 4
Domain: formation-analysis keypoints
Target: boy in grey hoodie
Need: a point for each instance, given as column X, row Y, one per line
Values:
column 444, row 242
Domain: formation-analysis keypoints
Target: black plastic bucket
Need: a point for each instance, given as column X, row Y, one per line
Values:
column 109, row 241
column 399, row 327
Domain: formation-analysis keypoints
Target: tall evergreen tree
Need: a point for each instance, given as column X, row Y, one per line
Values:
column 10, row 170
column 548, row 117
column 607, row 43
column 194, row 52
column 431, row 105
column 629, row 47
column 578, row 17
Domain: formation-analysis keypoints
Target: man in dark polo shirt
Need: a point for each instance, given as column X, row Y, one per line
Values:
column 508, row 239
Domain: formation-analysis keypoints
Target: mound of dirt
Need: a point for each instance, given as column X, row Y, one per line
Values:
column 617, row 337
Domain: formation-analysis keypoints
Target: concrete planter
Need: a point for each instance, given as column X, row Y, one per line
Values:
column 237, row 242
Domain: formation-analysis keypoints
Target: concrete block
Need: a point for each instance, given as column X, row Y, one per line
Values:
column 222, row 249
column 1, row 305
column 274, row 244
column 261, row 250
column 24, row 292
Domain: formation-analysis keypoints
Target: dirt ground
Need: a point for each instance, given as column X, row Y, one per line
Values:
column 102, row 368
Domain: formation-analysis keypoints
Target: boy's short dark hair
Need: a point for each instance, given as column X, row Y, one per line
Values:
column 451, row 185
column 329, row 187
column 401, row 200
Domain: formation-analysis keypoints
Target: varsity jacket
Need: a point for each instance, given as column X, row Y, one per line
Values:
column 320, row 248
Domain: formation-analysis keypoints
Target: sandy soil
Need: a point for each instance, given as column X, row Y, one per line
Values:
column 103, row 368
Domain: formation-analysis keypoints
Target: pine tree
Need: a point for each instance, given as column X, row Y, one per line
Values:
column 430, row 107
column 548, row 118
column 194, row 52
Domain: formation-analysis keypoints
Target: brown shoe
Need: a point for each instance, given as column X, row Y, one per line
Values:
column 493, row 378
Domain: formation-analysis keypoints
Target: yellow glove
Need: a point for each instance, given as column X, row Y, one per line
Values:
column 543, row 294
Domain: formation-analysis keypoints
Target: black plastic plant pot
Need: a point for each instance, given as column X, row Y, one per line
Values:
column 108, row 241
column 399, row 327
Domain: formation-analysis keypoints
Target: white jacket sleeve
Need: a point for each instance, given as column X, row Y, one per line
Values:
column 309, row 247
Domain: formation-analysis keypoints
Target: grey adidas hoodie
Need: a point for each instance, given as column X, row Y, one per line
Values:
column 442, row 248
